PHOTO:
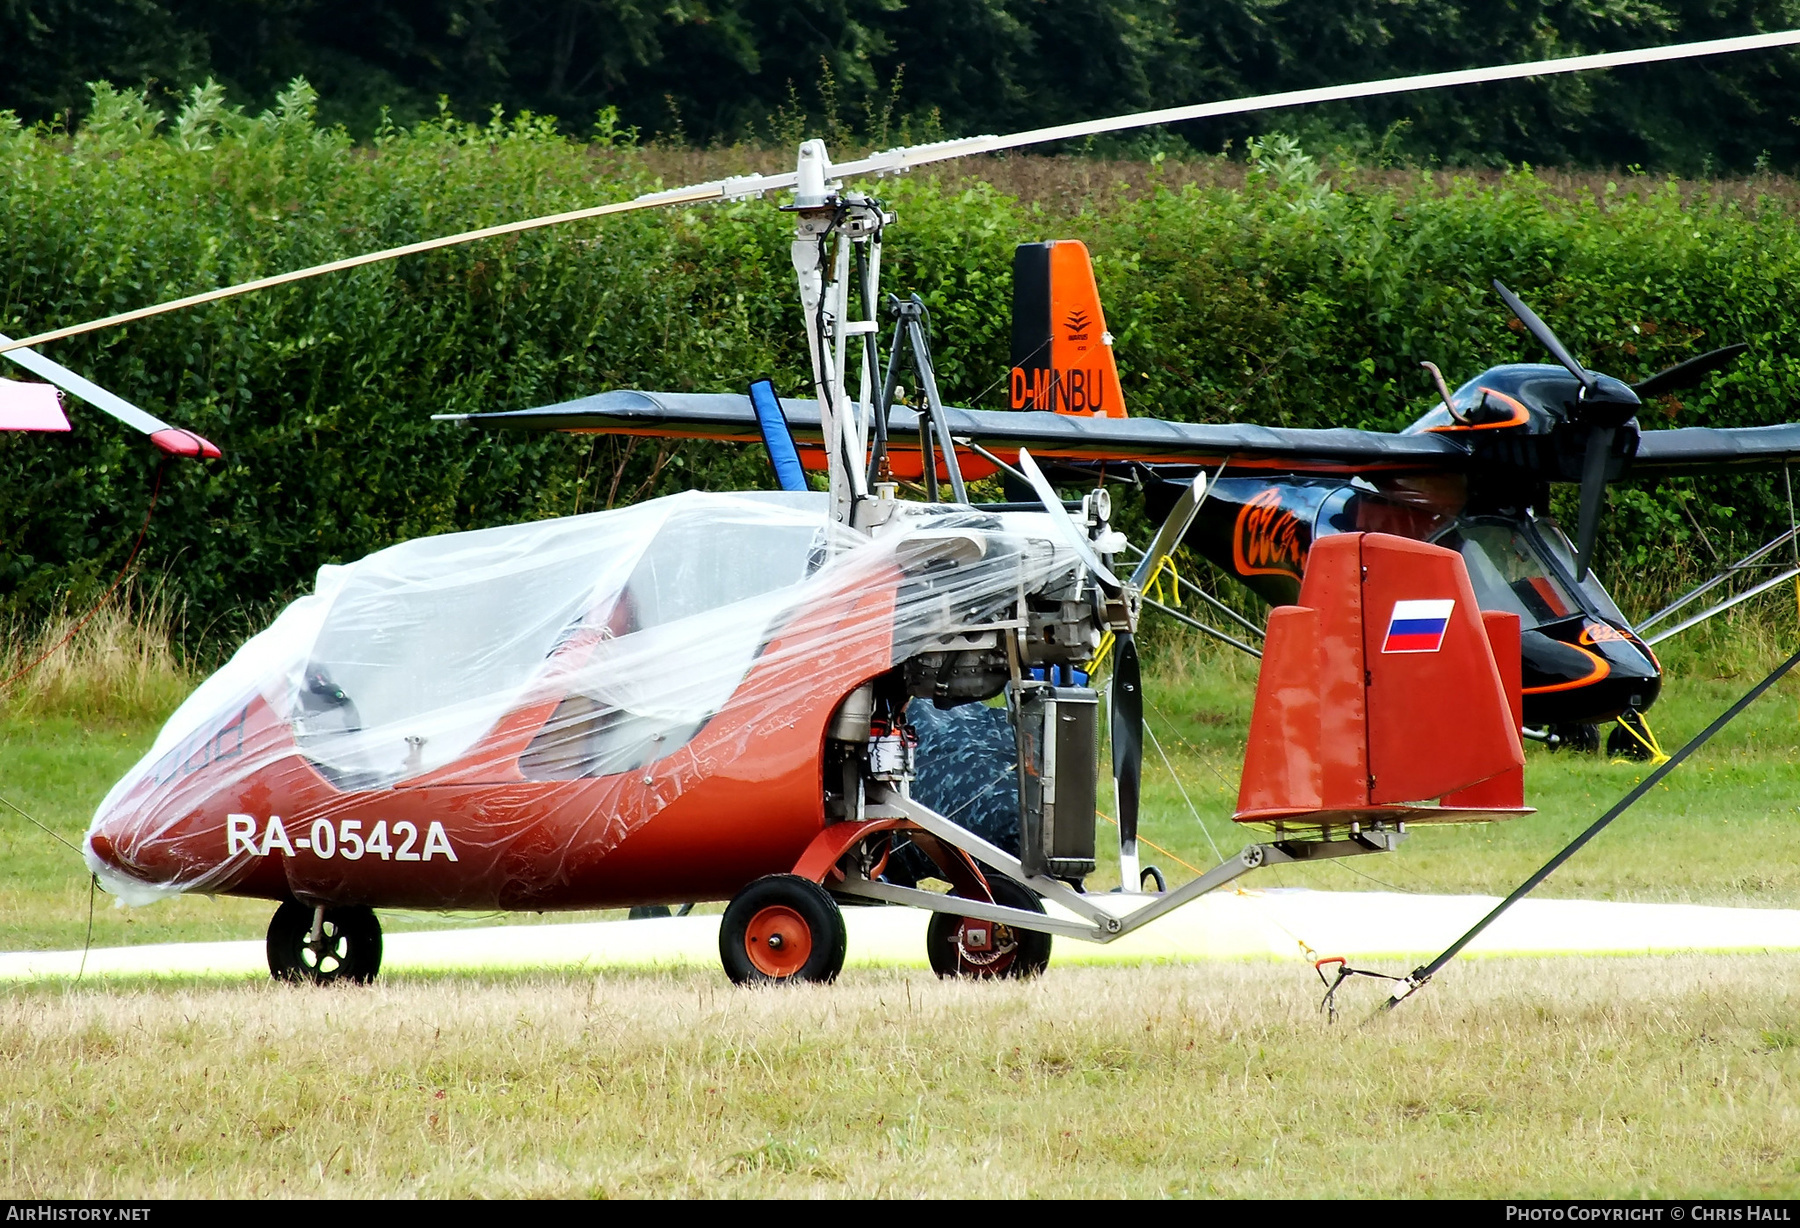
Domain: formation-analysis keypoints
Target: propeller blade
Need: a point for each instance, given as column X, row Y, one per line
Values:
column 1065, row 528
column 170, row 439
column 1125, row 717
column 1687, row 374
column 1174, row 528
column 1593, row 496
column 898, row 161
column 1549, row 340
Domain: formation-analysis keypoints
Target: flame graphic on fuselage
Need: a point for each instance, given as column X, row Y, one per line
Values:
column 1266, row 540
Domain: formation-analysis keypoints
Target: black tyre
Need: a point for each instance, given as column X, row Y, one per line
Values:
column 964, row 946
column 780, row 930
column 1577, row 739
column 1621, row 744
column 349, row 949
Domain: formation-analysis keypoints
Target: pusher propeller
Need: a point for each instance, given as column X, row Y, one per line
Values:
column 898, row 161
column 1125, row 696
column 1125, row 693
column 1072, row 537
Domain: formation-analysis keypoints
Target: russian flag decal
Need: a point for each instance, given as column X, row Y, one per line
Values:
column 1418, row 626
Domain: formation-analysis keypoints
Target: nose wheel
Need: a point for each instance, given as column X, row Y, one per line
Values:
column 342, row 946
column 968, row 946
column 780, row 930
column 1631, row 739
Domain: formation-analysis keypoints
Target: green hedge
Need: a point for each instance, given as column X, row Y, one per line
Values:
column 1297, row 299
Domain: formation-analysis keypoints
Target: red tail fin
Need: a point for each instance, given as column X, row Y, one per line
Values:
column 1386, row 685
column 1062, row 355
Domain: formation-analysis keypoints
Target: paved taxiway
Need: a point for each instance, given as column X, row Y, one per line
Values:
column 1251, row 924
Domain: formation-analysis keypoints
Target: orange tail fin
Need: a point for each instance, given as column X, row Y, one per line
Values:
column 1062, row 356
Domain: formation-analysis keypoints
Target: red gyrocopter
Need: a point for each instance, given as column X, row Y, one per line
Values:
column 706, row 696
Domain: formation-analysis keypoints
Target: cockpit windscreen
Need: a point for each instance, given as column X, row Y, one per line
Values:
column 1508, row 574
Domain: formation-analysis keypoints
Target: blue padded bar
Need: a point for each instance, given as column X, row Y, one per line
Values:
column 777, row 438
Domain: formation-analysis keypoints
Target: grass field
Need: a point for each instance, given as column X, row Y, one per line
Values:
column 1507, row 1077
column 1671, row 1076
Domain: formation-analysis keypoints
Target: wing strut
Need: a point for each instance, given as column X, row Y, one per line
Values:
column 1754, row 561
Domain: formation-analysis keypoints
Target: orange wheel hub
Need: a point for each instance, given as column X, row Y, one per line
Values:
column 778, row 941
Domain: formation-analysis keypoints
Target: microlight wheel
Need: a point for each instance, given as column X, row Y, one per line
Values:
column 1629, row 739
column 965, row 946
column 782, row 929
column 348, row 950
column 1578, row 739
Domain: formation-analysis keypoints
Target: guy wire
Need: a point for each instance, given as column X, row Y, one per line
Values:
column 88, row 943
column 41, row 827
column 93, row 883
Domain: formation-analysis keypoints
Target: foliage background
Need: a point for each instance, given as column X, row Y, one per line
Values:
column 1272, row 290
column 726, row 70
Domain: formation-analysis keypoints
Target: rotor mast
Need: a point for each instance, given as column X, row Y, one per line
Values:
column 836, row 234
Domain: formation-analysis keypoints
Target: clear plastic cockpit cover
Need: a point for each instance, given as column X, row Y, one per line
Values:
column 425, row 645
column 610, row 641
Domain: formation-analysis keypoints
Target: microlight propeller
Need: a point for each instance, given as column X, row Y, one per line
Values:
column 1603, row 405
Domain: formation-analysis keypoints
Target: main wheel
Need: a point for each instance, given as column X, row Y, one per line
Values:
column 1578, row 739
column 348, row 949
column 782, row 929
column 965, row 946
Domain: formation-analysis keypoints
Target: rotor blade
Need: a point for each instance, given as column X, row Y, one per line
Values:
column 170, row 439
column 1174, row 528
column 1065, row 527
column 896, row 160
column 1593, row 497
column 1549, row 340
column 1687, row 374
column 723, row 189
column 1125, row 718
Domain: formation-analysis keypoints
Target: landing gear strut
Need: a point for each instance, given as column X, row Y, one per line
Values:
column 1580, row 739
column 1631, row 739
